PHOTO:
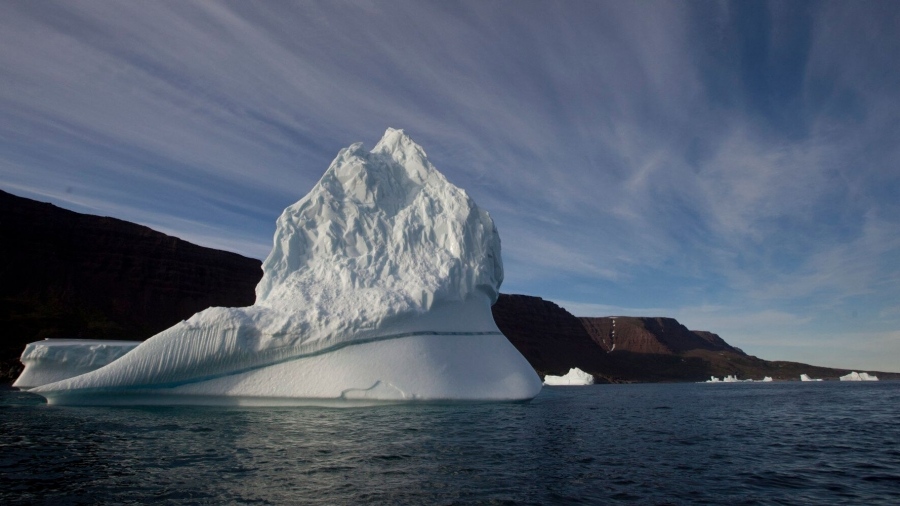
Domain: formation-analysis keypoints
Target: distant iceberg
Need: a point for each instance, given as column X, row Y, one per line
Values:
column 378, row 288
column 575, row 376
column 859, row 376
column 805, row 377
column 727, row 379
column 733, row 379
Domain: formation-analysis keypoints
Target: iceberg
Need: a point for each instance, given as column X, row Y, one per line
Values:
column 53, row 360
column 805, row 377
column 859, row 376
column 734, row 379
column 730, row 379
column 378, row 288
column 575, row 376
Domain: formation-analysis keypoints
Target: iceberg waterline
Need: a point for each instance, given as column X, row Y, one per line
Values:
column 383, row 255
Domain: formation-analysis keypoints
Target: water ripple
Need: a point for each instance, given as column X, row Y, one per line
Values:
column 644, row 444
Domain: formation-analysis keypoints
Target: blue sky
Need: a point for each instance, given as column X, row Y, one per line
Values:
column 734, row 165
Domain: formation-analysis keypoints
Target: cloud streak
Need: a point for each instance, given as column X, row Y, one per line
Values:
column 636, row 155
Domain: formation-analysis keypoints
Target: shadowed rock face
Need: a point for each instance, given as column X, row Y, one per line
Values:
column 549, row 337
column 65, row 274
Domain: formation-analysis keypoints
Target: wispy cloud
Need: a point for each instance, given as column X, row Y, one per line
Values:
column 639, row 155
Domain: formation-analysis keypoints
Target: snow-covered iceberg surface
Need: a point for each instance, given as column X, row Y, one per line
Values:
column 575, row 376
column 859, row 376
column 53, row 360
column 378, row 288
column 805, row 377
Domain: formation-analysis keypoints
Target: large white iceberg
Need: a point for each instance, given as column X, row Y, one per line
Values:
column 378, row 288
column 575, row 376
column 859, row 376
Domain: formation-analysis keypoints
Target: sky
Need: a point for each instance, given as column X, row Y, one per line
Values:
column 734, row 165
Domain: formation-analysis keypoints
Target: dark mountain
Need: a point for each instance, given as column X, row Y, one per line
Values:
column 65, row 274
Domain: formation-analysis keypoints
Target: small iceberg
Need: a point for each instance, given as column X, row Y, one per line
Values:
column 805, row 377
column 734, row 379
column 859, row 376
column 575, row 376
column 727, row 379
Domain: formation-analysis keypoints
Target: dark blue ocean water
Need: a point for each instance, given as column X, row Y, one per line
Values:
column 780, row 443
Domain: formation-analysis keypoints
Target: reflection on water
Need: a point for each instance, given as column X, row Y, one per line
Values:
column 740, row 443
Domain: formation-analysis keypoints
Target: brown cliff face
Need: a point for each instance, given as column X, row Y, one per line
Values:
column 716, row 342
column 553, row 341
column 646, row 349
column 65, row 274
column 651, row 335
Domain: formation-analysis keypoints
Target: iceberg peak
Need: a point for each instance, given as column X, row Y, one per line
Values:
column 396, row 145
column 388, row 222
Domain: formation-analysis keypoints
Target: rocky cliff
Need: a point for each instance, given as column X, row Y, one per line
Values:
column 632, row 349
column 65, row 274
column 651, row 335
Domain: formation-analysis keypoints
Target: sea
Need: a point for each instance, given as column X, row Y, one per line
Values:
column 729, row 443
